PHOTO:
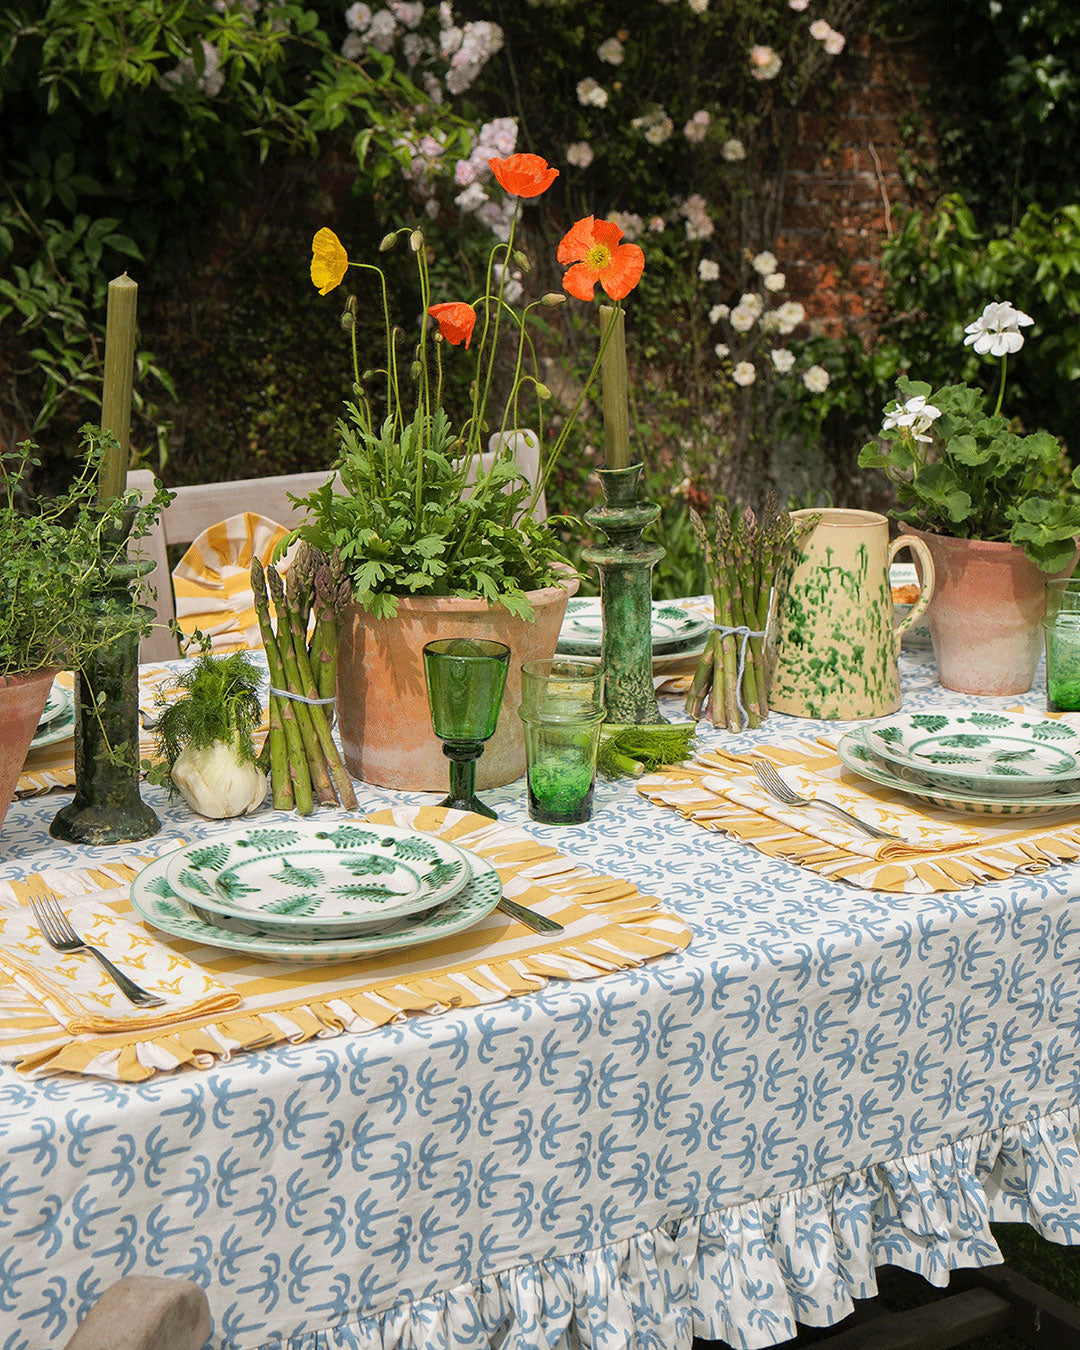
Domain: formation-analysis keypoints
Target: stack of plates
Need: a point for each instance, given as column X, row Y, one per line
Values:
column 308, row 891
column 984, row 763
column 678, row 633
column 58, row 720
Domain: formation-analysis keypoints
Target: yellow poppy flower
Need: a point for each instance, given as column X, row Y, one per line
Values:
column 328, row 261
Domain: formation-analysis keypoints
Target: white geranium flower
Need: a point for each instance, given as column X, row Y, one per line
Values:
column 997, row 329
column 775, row 281
column 719, row 312
column 764, row 264
column 722, row 350
column 744, row 373
column 816, row 379
column 916, row 414
column 708, row 270
column 733, row 150
column 782, row 359
column 580, row 154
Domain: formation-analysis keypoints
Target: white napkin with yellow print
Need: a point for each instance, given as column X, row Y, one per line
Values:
column 918, row 834
column 74, row 989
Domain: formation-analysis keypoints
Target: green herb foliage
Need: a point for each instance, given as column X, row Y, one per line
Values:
column 58, row 600
column 219, row 702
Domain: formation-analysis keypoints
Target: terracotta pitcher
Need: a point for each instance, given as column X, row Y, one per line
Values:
column 833, row 637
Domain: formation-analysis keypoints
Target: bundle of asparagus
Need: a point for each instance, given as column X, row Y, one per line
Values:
column 303, row 760
column 744, row 559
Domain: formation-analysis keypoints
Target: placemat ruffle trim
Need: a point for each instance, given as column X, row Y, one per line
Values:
column 748, row 1273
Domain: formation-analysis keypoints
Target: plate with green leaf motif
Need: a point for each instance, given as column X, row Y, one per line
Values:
column 990, row 753
column 673, row 628
column 855, row 755
column 318, row 879
column 155, row 901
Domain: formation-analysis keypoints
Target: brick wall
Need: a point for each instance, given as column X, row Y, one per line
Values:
column 844, row 192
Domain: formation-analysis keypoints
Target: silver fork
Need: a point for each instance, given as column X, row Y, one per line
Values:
column 775, row 786
column 57, row 931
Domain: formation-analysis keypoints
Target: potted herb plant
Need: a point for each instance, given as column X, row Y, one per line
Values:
column 996, row 509
column 55, row 560
column 435, row 541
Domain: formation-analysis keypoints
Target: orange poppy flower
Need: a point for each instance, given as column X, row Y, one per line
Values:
column 594, row 249
column 456, row 321
column 329, row 261
column 523, row 175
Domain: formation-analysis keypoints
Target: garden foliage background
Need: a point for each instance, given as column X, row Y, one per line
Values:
column 199, row 145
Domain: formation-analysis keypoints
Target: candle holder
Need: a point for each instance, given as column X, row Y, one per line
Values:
column 107, row 807
column 625, row 565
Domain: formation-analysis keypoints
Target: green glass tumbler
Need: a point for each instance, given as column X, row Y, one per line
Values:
column 465, row 682
column 1061, row 628
column 562, row 708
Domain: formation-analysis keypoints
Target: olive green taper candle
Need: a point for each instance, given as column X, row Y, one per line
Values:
column 613, row 378
column 116, row 394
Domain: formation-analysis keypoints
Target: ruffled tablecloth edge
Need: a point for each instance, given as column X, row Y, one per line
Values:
column 746, row 1274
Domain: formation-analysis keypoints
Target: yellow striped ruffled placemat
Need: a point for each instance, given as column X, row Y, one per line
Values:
column 609, row 925
column 53, row 766
column 943, row 851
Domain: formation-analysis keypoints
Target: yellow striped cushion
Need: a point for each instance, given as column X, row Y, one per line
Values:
column 212, row 581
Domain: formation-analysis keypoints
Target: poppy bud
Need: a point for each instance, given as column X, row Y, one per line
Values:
column 388, row 242
column 522, row 260
column 416, row 240
column 348, row 320
column 367, row 375
column 416, row 370
column 542, row 391
column 553, row 298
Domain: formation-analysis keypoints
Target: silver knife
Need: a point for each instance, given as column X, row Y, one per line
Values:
column 539, row 923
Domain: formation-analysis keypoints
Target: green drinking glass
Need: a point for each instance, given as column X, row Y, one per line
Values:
column 465, row 682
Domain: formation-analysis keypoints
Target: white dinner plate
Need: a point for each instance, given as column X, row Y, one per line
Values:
column 314, row 879
column 854, row 755
column 60, row 701
column 674, row 629
column 155, row 901
column 991, row 753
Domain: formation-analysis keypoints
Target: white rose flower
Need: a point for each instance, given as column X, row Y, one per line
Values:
column 834, row 43
column 997, row 329
column 719, row 312
column 751, row 300
column 816, row 379
column 744, row 373
column 797, row 5
column 764, row 63
column 590, row 94
column 733, row 150
column 722, row 350
column 743, row 318
column 764, row 264
column 775, row 281
column 708, row 270
column 788, row 316
column 611, row 51
column 782, row 359
column 699, row 6
column 820, row 30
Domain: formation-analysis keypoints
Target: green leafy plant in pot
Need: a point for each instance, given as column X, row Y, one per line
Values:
column 437, row 536
column 57, row 608
column 996, row 508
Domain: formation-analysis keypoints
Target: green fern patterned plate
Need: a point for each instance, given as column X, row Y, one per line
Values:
column 989, row 753
column 673, row 628
column 318, row 879
column 155, row 901
column 855, row 755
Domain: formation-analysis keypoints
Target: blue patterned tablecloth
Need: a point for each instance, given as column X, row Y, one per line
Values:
column 720, row 1143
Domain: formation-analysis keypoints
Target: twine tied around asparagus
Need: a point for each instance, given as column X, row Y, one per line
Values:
column 745, row 633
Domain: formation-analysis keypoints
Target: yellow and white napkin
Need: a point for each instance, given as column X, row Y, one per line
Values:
column 74, row 989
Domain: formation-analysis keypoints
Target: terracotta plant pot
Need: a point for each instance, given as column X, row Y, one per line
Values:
column 989, row 599
column 382, row 709
column 22, row 701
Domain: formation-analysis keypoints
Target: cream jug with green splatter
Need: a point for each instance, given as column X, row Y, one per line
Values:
column 833, row 639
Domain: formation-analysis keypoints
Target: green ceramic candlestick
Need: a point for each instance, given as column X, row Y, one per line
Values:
column 107, row 807
column 625, row 565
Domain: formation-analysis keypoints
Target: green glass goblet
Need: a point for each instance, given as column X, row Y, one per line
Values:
column 465, row 682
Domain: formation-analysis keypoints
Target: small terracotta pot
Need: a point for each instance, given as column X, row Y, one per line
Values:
column 989, row 599
column 382, row 707
column 22, row 701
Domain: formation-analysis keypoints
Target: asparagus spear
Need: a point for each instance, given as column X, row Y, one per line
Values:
column 294, row 764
